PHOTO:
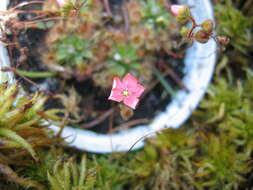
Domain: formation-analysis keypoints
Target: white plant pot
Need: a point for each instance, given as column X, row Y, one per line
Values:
column 199, row 66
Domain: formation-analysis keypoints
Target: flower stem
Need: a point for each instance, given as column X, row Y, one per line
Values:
column 164, row 83
column 32, row 74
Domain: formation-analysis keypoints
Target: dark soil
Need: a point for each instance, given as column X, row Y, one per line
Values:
column 32, row 39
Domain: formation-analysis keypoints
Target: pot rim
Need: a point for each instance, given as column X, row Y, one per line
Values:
column 199, row 66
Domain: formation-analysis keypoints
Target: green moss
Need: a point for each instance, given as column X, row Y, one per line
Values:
column 234, row 24
column 166, row 162
column 22, row 132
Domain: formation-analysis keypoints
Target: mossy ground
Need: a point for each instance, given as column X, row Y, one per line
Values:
column 213, row 150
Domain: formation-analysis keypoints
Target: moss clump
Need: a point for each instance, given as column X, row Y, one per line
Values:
column 69, row 175
column 22, row 132
column 236, row 25
column 214, row 154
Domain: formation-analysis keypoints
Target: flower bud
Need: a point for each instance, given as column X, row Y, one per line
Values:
column 182, row 12
column 125, row 112
column 223, row 40
column 61, row 3
column 207, row 25
column 202, row 36
column 184, row 31
column 160, row 20
column 175, row 9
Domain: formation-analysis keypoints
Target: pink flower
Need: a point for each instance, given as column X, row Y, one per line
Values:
column 175, row 9
column 61, row 2
column 128, row 90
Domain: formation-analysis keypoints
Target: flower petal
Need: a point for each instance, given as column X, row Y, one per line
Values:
column 117, row 89
column 129, row 81
column 137, row 92
column 131, row 101
column 116, row 95
column 117, row 84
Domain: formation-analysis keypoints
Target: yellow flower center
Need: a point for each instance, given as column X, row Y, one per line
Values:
column 125, row 93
